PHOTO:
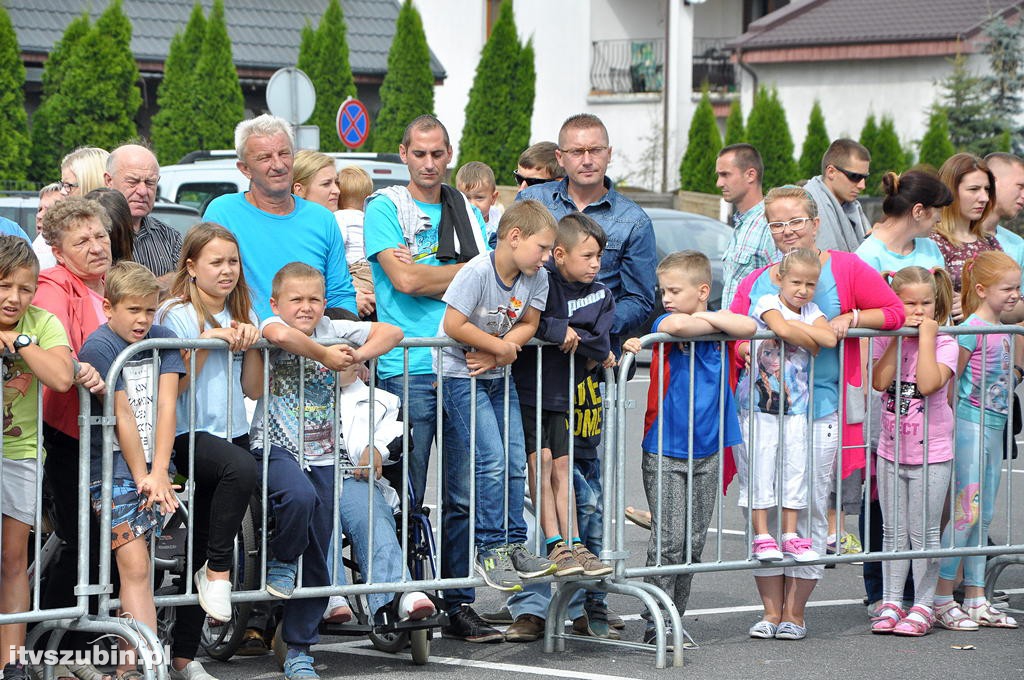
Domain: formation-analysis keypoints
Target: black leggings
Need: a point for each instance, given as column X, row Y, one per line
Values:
column 225, row 477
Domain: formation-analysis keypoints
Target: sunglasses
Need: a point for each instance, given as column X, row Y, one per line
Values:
column 530, row 181
column 854, row 177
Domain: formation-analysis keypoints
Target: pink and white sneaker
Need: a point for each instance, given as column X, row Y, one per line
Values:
column 766, row 550
column 799, row 549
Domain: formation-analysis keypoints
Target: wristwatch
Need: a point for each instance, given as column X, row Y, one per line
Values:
column 21, row 342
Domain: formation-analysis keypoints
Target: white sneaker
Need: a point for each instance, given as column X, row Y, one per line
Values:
column 338, row 610
column 415, row 606
column 214, row 596
column 193, row 671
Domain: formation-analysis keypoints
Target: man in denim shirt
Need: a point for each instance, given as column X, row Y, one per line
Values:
column 627, row 269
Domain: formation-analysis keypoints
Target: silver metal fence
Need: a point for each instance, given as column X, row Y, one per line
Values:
column 627, row 577
column 722, row 559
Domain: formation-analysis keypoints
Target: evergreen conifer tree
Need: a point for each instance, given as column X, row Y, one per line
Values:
column 697, row 169
column 1005, row 82
column 174, row 129
column 408, row 87
column 972, row 125
column 324, row 57
column 768, row 132
column 869, row 133
column 815, row 144
column 47, row 148
column 14, row 139
column 220, row 104
column 496, row 135
column 887, row 155
column 734, row 130
column 935, row 145
column 99, row 92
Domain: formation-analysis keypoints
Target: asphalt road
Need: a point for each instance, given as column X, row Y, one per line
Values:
column 722, row 607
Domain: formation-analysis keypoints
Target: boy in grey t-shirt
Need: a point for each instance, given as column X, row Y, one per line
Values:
column 494, row 305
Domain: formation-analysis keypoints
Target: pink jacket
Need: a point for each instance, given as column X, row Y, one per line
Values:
column 859, row 287
column 65, row 296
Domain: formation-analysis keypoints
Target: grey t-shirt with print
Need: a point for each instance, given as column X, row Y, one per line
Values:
column 478, row 292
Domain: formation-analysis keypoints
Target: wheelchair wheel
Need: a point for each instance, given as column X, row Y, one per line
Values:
column 222, row 640
column 420, row 640
column 392, row 643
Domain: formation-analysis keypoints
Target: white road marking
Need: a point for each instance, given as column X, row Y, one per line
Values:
column 363, row 648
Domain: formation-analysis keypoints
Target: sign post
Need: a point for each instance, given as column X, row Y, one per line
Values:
column 291, row 95
column 353, row 123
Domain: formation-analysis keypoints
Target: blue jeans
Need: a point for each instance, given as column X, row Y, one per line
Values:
column 421, row 408
column 388, row 565
column 303, row 506
column 589, row 510
column 499, row 509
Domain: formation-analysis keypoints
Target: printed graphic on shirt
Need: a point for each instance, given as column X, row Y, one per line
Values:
column 140, row 387
column 997, row 384
column 318, row 392
column 425, row 244
column 500, row 320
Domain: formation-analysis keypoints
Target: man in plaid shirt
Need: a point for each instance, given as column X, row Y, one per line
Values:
column 739, row 169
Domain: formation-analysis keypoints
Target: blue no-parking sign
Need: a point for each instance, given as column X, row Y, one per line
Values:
column 353, row 123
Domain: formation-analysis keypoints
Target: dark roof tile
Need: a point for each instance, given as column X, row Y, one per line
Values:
column 842, row 22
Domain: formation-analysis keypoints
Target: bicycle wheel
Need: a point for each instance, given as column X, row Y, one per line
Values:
column 222, row 640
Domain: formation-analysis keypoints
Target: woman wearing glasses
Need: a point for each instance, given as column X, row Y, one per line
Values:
column 81, row 171
column 960, row 234
column 852, row 295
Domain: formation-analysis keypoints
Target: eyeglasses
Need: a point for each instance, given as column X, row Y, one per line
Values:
column 578, row 153
column 795, row 224
column 66, row 187
column 530, row 181
column 854, row 177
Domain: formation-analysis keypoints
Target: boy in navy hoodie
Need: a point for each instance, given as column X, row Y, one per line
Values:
column 578, row 318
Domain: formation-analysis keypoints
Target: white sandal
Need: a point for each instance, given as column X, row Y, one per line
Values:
column 987, row 615
column 951, row 617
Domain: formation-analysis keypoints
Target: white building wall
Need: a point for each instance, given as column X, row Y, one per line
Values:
column 850, row 91
column 562, row 33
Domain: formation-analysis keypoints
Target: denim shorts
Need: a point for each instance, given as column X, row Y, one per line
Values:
column 129, row 518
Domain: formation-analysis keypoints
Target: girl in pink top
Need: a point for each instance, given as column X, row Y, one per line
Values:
column 914, row 466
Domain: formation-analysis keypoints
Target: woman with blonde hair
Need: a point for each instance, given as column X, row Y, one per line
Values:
column 315, row 179
column 82, row 170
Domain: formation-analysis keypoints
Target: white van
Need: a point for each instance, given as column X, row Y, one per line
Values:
column 202, row 176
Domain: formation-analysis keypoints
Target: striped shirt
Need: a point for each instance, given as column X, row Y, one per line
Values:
column 751, row 247
column 156, row 246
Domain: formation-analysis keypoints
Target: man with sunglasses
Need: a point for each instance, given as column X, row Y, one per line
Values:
column 844, row 173
column 537, row 165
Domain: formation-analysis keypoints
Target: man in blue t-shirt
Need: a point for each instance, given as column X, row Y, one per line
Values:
column 275, row 227
column 417, row 237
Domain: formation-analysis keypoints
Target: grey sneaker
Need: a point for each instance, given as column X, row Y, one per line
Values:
column 502, row 617
column 497, row 569
column 528, row 565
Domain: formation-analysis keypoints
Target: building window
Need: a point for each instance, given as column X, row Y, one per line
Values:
column 623, row 66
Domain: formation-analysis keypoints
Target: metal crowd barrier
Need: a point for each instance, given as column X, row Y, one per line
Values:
column 626, row 578
column 717, row 557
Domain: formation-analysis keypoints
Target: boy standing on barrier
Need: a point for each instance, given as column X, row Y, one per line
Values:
column 578, row 316
column 300, row 443
column 35, row 350
column 141, row 484
column 494, row 305
column 685, row 282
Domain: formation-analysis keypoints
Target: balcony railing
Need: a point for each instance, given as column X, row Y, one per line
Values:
column 622, row 66
column 629, row 66
column 711, row 65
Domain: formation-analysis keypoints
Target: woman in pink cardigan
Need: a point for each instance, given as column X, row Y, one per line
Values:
column 851, row 294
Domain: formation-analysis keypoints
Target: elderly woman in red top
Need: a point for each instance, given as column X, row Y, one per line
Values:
column 78, row 231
